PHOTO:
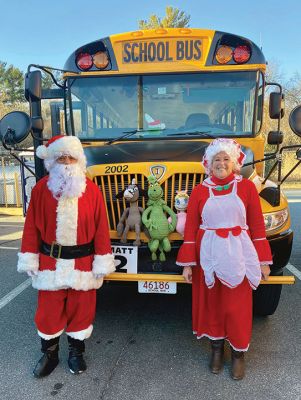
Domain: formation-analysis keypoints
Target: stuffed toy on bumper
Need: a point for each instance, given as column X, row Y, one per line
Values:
column 131, row 217
column 155, row 219
column 181, row 203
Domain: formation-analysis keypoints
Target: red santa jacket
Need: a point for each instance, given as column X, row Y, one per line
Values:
column 188, row 254
column 68, row 221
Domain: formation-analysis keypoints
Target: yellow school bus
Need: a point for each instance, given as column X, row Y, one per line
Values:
column 148, row 103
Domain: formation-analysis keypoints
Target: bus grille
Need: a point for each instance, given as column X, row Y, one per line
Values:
column 110, row 185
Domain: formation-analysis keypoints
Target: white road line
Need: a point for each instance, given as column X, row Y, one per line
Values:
column 8, row 248
column 294, row 200
column 14, row 293
column 12, row 226
column 294, row 270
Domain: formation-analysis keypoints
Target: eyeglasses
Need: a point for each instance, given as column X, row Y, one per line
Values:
column 65, row 158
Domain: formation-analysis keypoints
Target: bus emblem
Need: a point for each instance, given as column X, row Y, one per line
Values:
column 158, row 171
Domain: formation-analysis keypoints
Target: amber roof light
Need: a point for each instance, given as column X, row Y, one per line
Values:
column 100, row 60
column 224, row 54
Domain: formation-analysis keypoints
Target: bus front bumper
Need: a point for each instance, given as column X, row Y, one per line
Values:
column 281, row 247
column 121, row 277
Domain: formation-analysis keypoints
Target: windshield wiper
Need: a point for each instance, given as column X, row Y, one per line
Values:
column 193, row 133
column 130, row 133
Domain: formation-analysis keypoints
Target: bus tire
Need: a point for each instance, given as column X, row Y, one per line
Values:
column 266, row 299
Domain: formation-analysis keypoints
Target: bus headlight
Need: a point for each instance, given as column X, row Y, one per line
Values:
column 275, row 220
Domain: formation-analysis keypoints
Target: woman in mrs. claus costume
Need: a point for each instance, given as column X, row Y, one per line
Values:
column 225, row 235
column 66, row 250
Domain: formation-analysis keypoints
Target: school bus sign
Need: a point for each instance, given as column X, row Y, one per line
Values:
column 162, row 51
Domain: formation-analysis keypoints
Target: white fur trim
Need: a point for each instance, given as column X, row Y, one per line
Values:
column 67, row 215
column 81, row 335
column 66, row 277
column 67, row 144
column 28, row 262
column 219, row 338
column 103, row 264
column 70, row 145
column 189, row 264
column 48, row 337
column 41, row 152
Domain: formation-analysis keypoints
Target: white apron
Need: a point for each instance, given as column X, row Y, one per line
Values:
column 226, row 248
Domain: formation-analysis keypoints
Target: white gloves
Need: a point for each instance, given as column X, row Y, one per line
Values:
column 99, row 276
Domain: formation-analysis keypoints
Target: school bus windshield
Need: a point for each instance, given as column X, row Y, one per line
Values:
column 168, row 105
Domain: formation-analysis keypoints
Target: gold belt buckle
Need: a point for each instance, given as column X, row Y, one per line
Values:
column 54, row 243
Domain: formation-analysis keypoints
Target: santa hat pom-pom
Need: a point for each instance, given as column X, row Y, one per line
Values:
column 41, row 152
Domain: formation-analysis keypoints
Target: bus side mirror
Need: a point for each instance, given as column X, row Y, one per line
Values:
column 14, row 127
column 275, row 137
column 276, row 107
column 295, row 120
column 33, row 86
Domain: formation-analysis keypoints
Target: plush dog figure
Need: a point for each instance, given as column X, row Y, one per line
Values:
column 131, row 217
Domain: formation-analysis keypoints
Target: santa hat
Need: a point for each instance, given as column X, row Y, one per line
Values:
column 61, row 145
column 229, row 146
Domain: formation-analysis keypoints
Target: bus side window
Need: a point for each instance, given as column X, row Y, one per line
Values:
column 78, row 121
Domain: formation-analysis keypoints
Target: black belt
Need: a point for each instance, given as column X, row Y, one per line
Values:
column 55, row 250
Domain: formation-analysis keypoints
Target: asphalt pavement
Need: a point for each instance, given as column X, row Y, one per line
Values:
column 142, row 346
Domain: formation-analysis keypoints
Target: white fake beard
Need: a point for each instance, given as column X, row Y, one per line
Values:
column 66, row 181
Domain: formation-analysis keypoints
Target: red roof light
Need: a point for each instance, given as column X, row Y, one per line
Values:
column 84, row 61
column 241, row 54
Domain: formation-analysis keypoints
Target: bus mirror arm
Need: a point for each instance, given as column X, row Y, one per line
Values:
column 47, row 71
column 270, row 156
column 278, row 155
column 298, row 157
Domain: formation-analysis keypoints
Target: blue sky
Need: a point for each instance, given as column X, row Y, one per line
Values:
column 47, row 32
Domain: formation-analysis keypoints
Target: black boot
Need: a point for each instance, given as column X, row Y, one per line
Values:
column 217, row 356
column 76, row 360
column 50, row 359
column 238, row 364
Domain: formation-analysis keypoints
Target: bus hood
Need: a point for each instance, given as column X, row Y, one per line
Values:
column 154, row 151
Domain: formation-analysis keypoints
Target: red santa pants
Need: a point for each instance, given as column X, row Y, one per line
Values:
column 222, row 312
column 70, row 310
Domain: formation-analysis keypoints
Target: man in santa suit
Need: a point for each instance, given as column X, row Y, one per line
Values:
column 66, row 250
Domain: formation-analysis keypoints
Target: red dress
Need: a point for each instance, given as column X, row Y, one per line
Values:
column 222, row 312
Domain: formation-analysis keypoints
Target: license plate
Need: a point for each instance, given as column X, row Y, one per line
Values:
column 157, row 287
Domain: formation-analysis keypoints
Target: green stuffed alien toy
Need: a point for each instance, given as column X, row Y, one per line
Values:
column 155, row 220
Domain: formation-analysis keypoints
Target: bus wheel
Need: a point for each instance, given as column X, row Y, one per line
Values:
column 266, row 299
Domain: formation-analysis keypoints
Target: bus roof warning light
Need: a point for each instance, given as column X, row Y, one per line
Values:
column 84, row 61
column 224, row 54
column 241, row 54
